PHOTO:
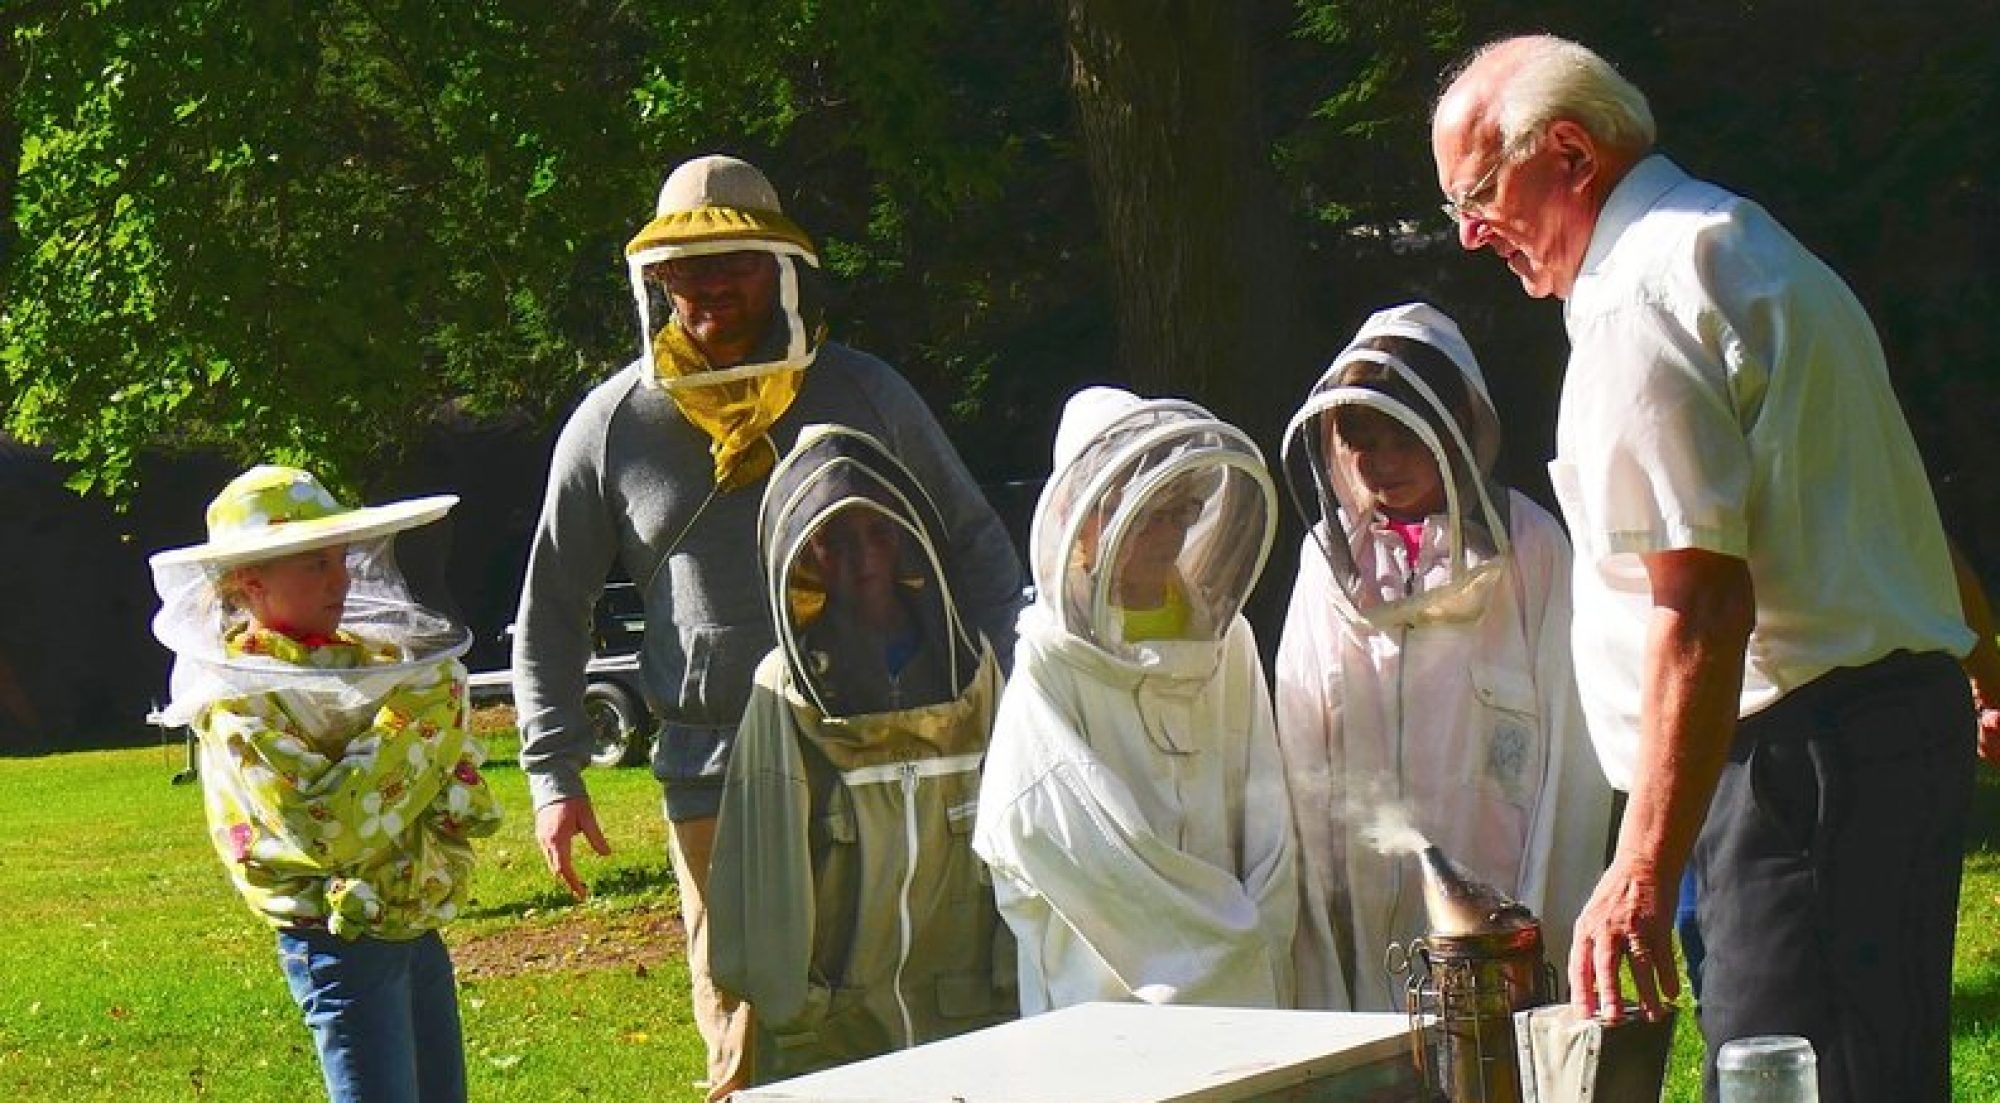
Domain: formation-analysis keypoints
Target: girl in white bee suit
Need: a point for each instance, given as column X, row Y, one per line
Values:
column 1424, row 684
column 1133, row 809
column 847, row 905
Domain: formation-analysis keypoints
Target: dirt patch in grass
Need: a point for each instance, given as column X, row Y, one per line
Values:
column 493, row 719
column 576, row 941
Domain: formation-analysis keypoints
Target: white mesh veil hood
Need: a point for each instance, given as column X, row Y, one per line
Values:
column 193, row 621
column 1329, row 495
column 1120, row 463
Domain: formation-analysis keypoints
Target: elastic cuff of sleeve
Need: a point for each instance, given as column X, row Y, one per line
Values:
column 545, row 789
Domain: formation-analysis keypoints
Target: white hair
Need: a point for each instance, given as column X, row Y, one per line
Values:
column 1552, row 78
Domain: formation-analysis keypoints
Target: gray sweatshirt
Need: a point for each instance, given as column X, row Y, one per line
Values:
column 627, row 480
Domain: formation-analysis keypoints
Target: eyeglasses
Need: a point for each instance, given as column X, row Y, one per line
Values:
column 734, row 266
column 1471, row 203
column 1181, row 513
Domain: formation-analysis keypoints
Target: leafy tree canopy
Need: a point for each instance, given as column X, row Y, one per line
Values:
column 301, row 230
column 305, row 229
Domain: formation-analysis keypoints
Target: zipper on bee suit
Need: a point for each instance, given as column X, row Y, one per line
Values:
column 907, row 775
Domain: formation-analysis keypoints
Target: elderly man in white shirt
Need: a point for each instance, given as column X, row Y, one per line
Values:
column 1765, row 611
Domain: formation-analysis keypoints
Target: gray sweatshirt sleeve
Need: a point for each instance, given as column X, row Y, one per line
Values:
column 987, row 578
column 574, row 546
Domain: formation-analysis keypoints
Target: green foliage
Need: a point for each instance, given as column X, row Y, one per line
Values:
column 303, row 230
column 927, row 147
column 296, row 229
column 1362, row 150
column 309, row 228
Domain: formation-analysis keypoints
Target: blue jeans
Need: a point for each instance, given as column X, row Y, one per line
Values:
column 384, row 1015
column 1688, row 926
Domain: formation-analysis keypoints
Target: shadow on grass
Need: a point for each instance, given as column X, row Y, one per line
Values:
column 1975, row 1010
column 1983, row 828
column 1975, row 1007
column 631, row 881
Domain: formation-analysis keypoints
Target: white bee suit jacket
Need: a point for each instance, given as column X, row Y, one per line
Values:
column 1133, row 806
column 1433, row 690
column 1131, row 874
column 1481, row 721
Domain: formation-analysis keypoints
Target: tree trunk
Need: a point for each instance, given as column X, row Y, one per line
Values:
column 1202, row 266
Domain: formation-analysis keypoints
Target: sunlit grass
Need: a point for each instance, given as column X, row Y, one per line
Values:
column 133, row 972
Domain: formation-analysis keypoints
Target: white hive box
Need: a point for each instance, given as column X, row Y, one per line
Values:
column 1135, row 1053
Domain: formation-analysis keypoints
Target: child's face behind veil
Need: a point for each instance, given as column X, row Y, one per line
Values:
column 1386, row 459
column 857, row 552
column 1147, row 560
column 300, row 595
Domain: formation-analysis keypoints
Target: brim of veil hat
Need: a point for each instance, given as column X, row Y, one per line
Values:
column 298, row 536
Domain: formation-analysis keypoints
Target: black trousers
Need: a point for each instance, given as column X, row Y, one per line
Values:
column 1828, row 875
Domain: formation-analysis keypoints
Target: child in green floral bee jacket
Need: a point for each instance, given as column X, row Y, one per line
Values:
column 341, row 781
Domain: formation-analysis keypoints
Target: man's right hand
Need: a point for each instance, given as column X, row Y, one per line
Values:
column 555, row 825
column 1628, row 919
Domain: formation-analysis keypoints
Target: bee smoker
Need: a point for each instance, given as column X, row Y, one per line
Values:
column 1480, row 962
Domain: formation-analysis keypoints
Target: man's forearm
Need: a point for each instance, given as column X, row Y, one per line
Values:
column 550, row 656
column 1702, row 616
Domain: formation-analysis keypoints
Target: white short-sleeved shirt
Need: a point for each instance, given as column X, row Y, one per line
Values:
column 1726, row 391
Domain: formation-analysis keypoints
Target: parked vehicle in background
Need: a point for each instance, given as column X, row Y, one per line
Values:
column 622, row 726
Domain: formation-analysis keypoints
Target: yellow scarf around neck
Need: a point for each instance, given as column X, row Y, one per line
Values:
column 737, row 415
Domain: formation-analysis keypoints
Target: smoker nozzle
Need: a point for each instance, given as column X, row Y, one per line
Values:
column 1460, row 904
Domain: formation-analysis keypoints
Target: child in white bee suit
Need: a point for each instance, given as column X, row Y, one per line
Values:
column 1424, row 685
column 339, row 772
column 1133, row 809
column 847, row 905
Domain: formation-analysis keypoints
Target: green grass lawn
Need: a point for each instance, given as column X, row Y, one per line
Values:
column 132, row 972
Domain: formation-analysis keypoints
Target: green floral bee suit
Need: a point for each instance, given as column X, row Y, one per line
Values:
column 353, row 818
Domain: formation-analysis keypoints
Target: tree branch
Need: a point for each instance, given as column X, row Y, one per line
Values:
column 21, row 13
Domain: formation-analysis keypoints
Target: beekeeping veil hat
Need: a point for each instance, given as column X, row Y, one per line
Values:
column 1137, row 480
column 832, row 478
column 710, row 206
column 1411, row 364
column 267, row 513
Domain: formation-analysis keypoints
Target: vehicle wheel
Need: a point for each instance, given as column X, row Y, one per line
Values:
column 618, row 725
